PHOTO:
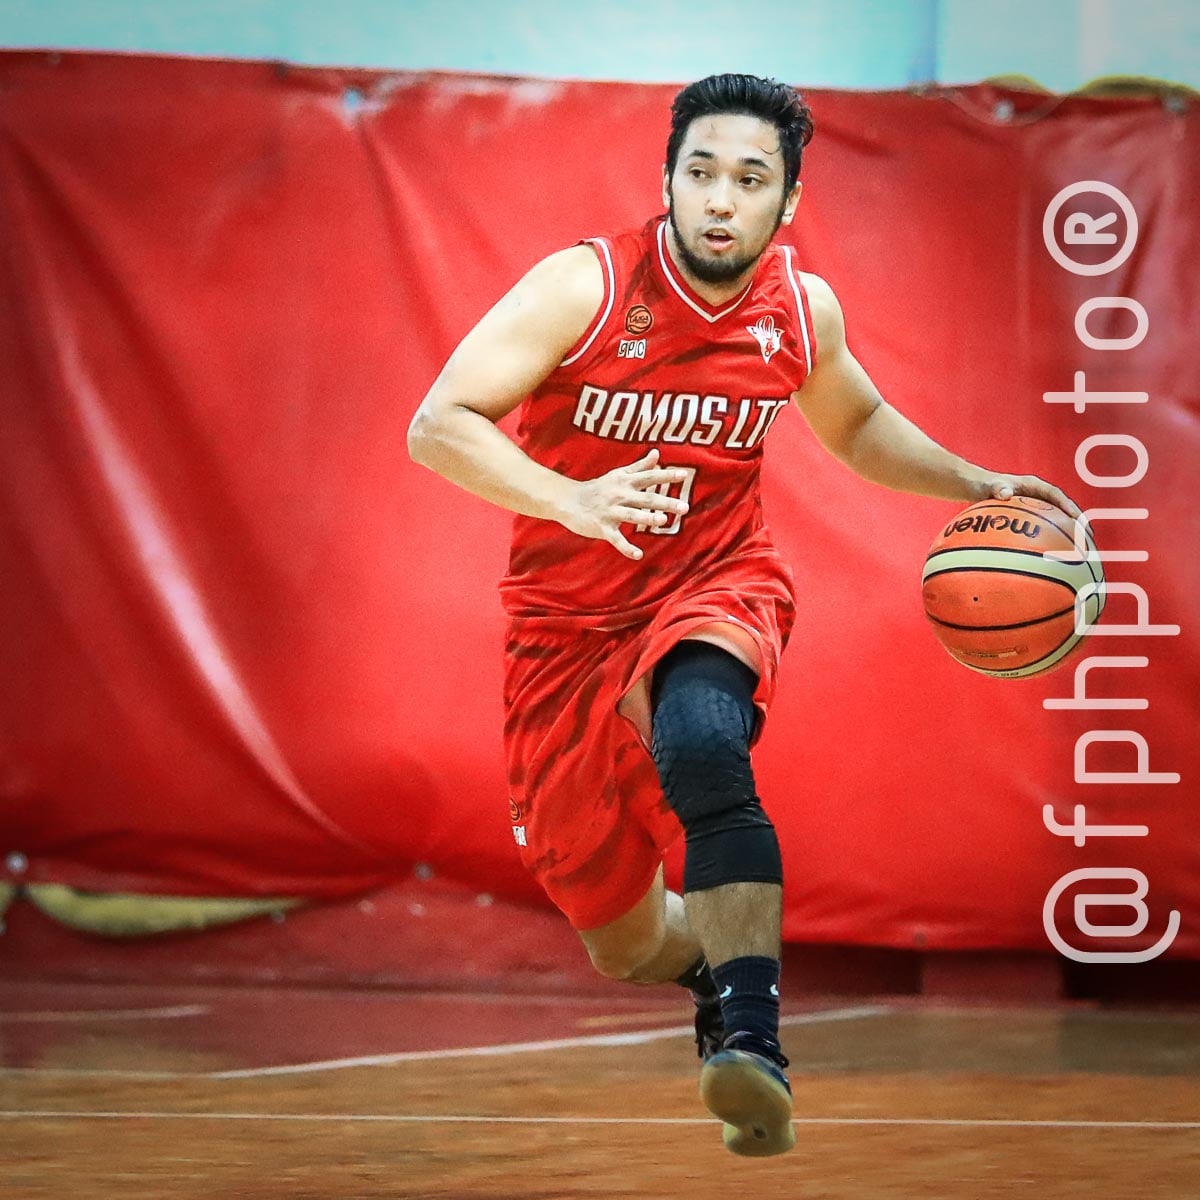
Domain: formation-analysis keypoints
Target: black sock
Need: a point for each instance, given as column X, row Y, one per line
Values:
column 699, row 981
column 749, row 992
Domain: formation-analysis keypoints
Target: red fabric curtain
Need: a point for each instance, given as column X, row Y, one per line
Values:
column 249, row 648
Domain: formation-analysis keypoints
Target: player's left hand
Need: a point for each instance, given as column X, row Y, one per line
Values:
column 1004, row 487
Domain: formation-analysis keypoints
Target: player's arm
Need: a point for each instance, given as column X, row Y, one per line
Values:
column 854, row 422
column 497, row 365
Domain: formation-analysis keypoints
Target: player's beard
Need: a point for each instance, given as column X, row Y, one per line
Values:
column 718, row 270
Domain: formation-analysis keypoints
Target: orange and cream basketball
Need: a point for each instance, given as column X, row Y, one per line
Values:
column 998, row 602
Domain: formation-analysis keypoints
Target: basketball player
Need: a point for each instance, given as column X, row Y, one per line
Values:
column 647, row 605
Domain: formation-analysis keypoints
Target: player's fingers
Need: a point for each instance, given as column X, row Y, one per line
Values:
column 645, row 479
column 647, row 460
column 1060, row 500
column 1039, row 489
column 628, row 514
column 655, row 501
column 617, row 539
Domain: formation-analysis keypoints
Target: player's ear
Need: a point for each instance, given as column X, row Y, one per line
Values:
column 666, row 187
column 789, row 209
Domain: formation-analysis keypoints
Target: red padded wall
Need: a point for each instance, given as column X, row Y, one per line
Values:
column 249, row 648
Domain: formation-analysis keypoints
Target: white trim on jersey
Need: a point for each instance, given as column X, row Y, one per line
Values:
column 665, row 259
column 791, row 274
column 612, row 295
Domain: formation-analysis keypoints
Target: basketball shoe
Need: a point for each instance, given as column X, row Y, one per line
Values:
column 743, row 1083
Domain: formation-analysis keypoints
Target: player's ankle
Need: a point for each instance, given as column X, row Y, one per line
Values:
column 699, row 981
column 748, row 989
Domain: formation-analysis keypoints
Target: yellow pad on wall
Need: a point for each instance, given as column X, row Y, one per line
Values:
column 116, row 915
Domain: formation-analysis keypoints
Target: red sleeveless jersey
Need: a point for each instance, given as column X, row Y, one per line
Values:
column 660, row 367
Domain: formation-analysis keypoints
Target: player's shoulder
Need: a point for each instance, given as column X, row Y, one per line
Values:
column 567, row 286
column 817, row 289
column 820, row 295
column 566, row 291
column 573, row 271
column 828, row 322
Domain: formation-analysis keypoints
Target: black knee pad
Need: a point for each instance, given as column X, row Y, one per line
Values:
column 704, row 717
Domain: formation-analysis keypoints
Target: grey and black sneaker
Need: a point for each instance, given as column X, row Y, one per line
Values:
column 744, row 1085
column 710, row 1027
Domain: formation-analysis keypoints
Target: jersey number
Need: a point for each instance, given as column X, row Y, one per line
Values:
column 667, row 489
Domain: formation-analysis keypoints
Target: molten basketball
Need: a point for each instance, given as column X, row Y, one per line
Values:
column 995, row 599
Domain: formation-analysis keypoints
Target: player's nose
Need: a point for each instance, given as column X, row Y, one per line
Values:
column 720, row 200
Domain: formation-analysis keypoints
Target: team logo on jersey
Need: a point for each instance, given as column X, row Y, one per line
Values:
column 514, row 811
column 766, row 335
column 638, row 319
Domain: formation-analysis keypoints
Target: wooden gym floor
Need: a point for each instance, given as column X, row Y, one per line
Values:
column 117, row 1093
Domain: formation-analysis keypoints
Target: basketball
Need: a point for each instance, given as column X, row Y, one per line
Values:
column 994, row 598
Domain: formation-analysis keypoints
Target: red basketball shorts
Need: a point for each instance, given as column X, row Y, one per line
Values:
column 588, row 814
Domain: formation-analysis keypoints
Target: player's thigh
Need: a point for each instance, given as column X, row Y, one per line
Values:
column 733, row 639
column 635, row 705
column 631, row 940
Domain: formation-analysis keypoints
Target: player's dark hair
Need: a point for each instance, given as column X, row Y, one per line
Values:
column 748, row 95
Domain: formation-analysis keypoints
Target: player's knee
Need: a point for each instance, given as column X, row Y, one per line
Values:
column 622, row 958
column 701, row 747
column 614, row 965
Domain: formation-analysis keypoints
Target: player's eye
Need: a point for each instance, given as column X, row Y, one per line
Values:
column 751, row 181
column 698, row 173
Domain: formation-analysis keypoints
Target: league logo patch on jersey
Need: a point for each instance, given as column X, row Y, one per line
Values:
column 638, row 319
column 766, row 335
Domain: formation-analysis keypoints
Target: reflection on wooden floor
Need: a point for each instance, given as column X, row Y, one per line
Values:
column 178, row 1094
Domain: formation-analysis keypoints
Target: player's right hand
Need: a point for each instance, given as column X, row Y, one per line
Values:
column 599, row 507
